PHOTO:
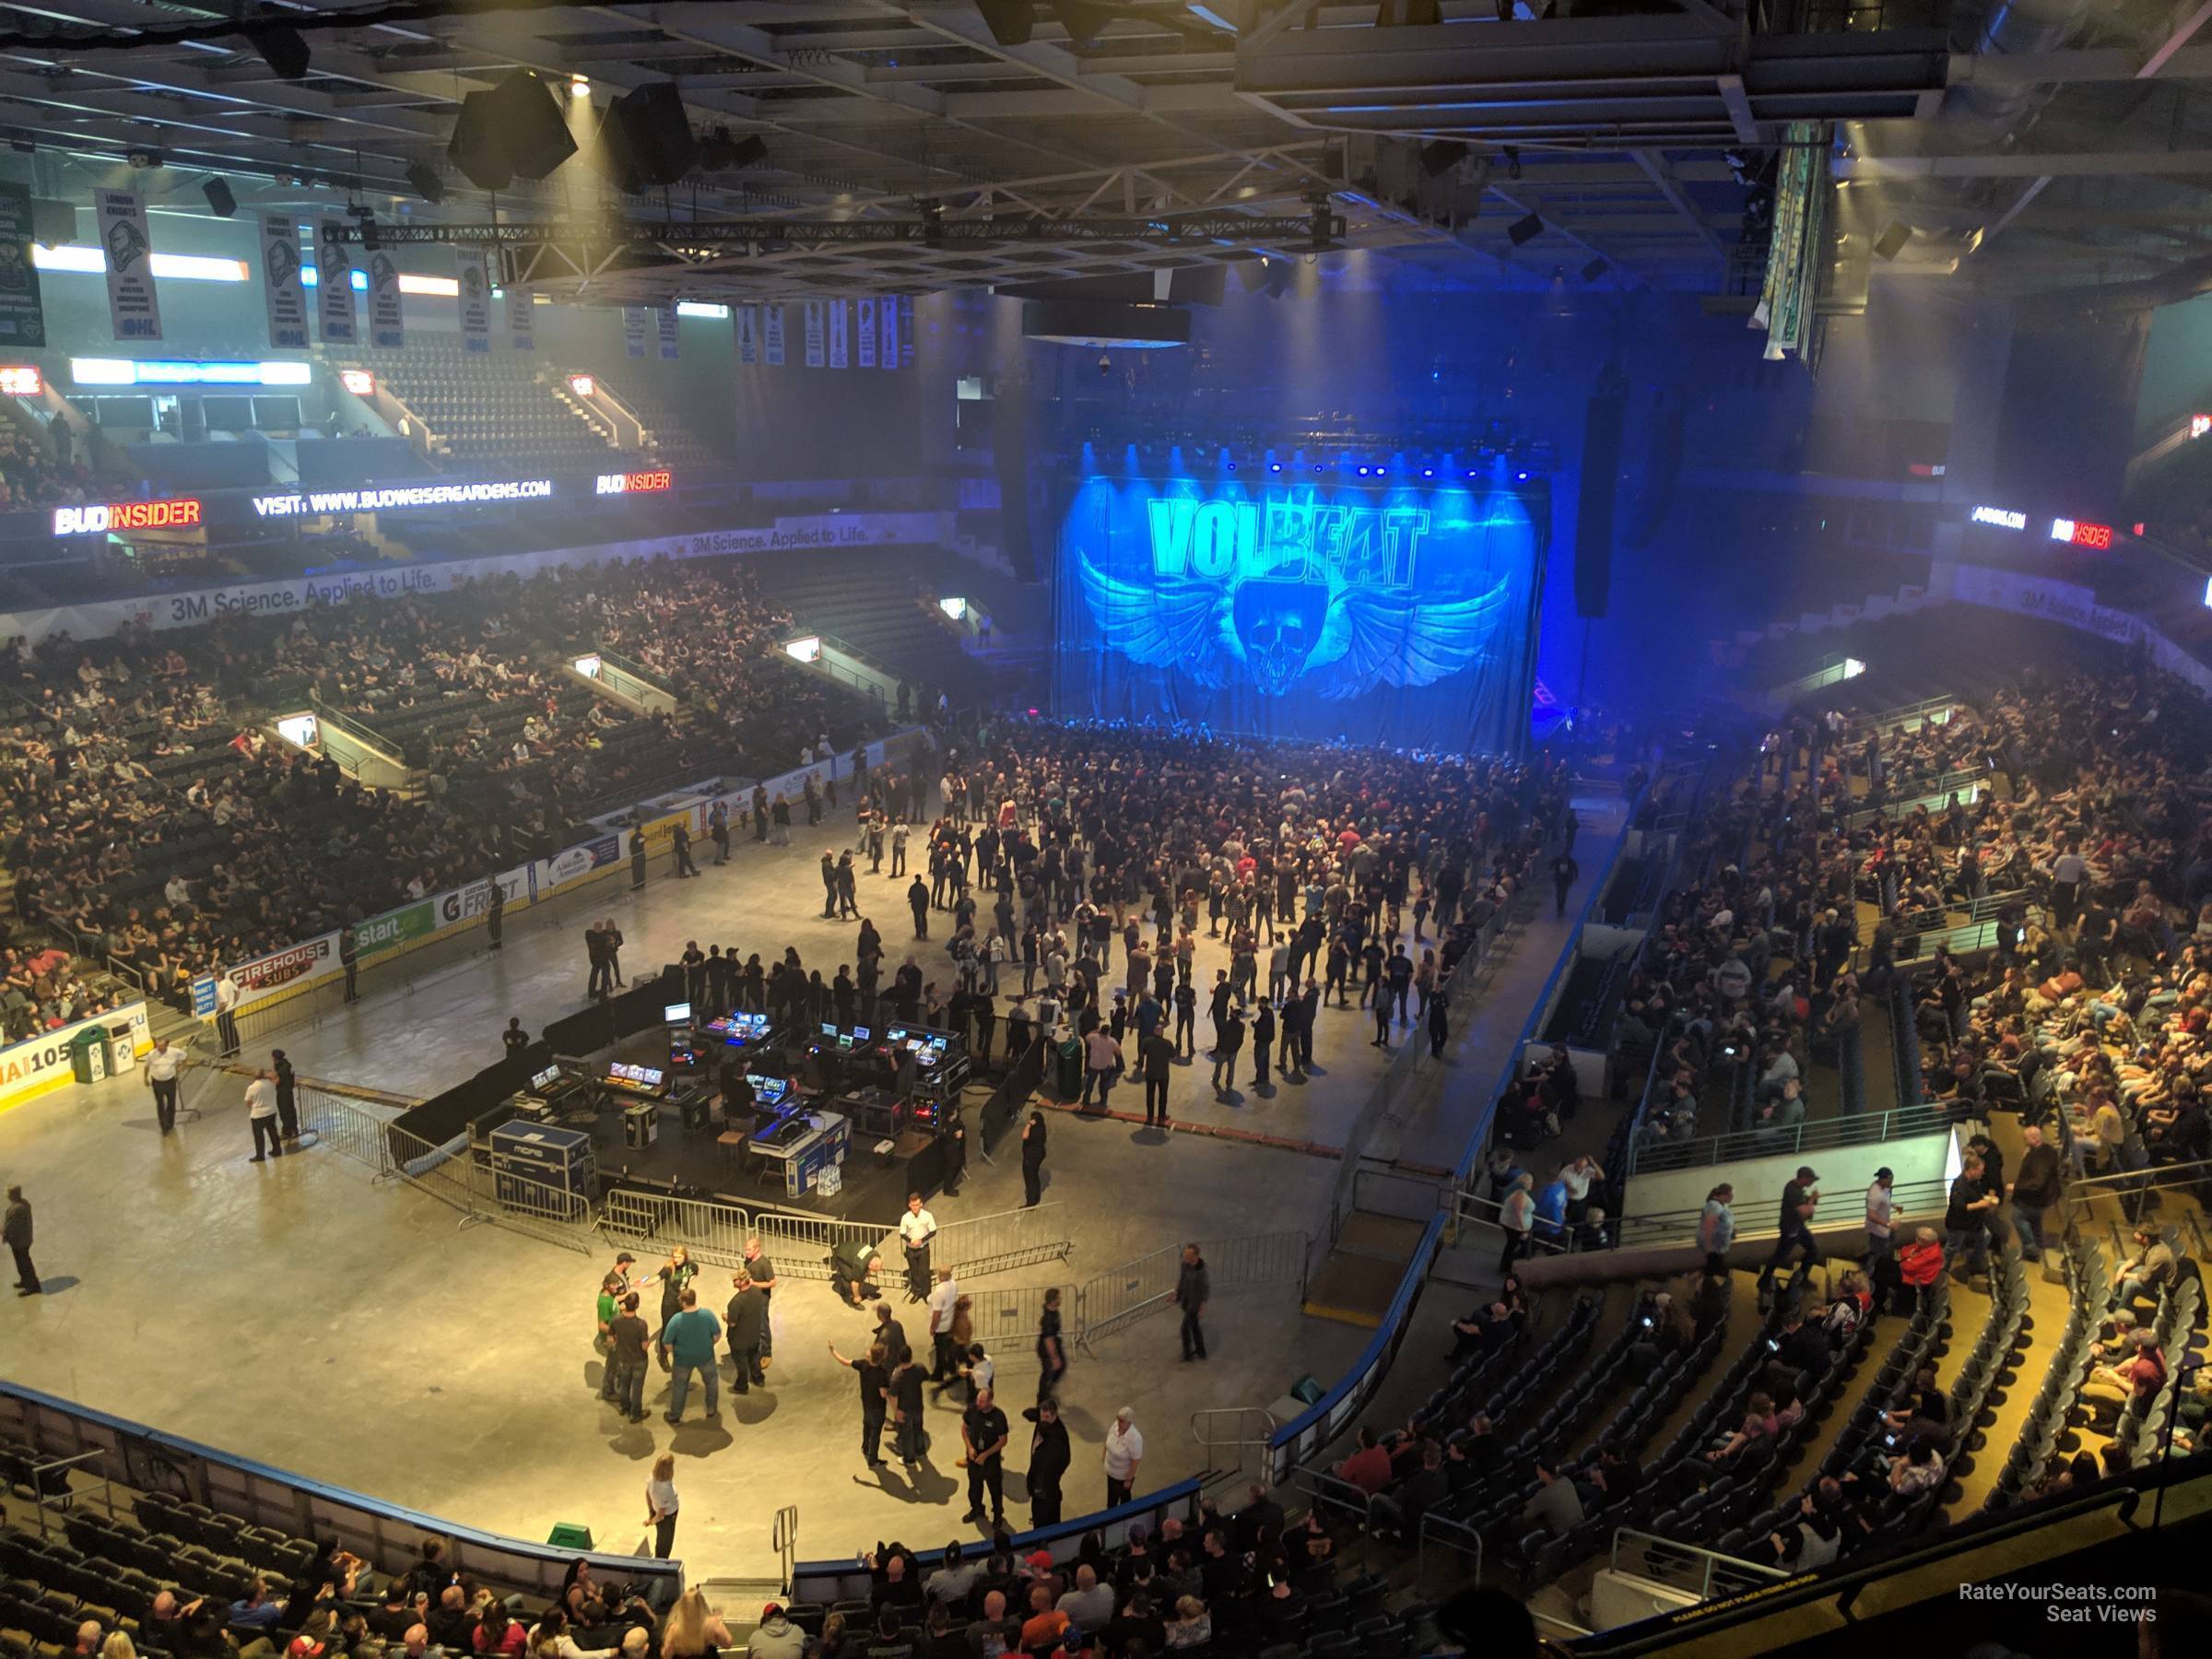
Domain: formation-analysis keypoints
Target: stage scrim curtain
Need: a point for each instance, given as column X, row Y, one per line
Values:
column 1399, row 613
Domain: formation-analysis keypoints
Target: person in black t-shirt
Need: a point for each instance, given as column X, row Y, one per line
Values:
column 906, row 1410
column 875, row 1380
column 628, row 1359
column 514, row 1037
column 983, row 1431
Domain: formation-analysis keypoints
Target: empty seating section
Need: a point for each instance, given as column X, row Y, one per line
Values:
column 671, row 433
column 489, row 409
column 882, row 600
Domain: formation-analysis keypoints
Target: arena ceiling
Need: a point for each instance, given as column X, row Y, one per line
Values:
column 2029, row 145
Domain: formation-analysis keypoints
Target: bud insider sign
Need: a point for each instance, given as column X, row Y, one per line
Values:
column 177, row 514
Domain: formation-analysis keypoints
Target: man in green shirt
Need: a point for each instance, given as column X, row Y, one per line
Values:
column 610, row 1287
column 687, row 1345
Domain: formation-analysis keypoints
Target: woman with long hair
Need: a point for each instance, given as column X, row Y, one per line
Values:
column 692, row 1631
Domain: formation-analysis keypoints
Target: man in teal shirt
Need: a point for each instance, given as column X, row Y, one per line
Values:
column 687, row 1345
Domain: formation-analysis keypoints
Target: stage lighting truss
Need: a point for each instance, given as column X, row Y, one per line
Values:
column 558, row 249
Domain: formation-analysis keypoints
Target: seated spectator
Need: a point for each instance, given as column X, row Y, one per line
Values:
column 2142, row 1275
column 1557, row 1507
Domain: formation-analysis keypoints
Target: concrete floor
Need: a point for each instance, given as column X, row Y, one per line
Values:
column 353, row 1333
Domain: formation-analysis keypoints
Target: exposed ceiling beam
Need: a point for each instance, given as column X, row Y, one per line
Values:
column 2071, row 164
column 2184, row 30
column 1655, row 169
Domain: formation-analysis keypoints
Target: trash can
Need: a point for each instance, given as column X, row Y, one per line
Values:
column 570, row 1534
column 123, row 1053
column 1070, row 1069
column 89, row 1054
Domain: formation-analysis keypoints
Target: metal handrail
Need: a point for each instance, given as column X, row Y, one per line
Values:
column 1817, row 1135
column 1447, row 1532
column 1907, row 1198
column 367, row 736
column 1466, row 1214
column 636, row 671
column 1891, row 718
column 1202, row 1431
column 1712, row 1562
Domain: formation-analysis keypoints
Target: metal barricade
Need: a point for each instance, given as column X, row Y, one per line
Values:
column 801, row 1246
column 355, row 1131
column 458, row 1176
column 1015, row 1238
column 1111, row 1301
column 1005, row 1320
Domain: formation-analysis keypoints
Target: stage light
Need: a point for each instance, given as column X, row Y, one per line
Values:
column 1521, row 477
column 144, row 158
column 1513, row 163
column 583, row 386
column 283, row 49
column 358, row 382
column 2199, row 424
column 23, row 380
column 1525, row 228
column 1275, row 466
column 426, row 183
column 221, row 202
column 1428, row 472
column 1363, row 472
column 578, row 86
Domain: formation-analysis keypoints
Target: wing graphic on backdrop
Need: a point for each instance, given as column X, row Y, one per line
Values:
column 1381, row 638
column 1176, row 623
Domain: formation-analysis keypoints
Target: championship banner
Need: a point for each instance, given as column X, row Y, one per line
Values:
column 864, row 328
column 333, row 285
column 839, row 317
column 666, row 319
column 771, row 335
column 745, row 320
column 280, row 285
column 633, row 332
column 22, row 318
column 888, row 352
column 387, row 325
column 815, row 355
column 474, row 300
column 124, row 238
column 520, row 321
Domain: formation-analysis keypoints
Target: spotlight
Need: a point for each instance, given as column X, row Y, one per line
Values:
column 372, row 241
column 1440, row 156
column 283, row 49
column 144, row 156
column 221, row 202
column 1525, row 229
column 1428, row 472
column 1105, row 364
column 1512, row 161
column 578, row 86
column 427, row 185
column 1275, row 466
column 1595, row 269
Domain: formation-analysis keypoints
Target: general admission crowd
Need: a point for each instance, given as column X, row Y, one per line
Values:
column 147, row 811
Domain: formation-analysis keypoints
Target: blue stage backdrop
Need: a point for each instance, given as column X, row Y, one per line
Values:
column 1400, row 612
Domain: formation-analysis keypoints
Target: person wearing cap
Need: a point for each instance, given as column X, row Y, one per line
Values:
column 777, row 1637
column 1878, row 1211
column 1800, row 1198
column 1124, row 1449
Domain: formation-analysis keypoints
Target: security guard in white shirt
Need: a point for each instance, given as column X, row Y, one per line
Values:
column 163, row 1067
column 916, row 1229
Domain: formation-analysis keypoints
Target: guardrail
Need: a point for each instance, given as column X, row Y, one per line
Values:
column 1690, row 1567
column 1121, row 1296
column 1232, row 1426
column 1912, row 716
column 1817, row 1135
column 148, row 1460
column 362, row 734
column 1912, row 1201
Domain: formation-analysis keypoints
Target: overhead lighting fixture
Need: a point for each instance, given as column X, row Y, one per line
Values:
column 21, row 380
column 1595, row 269
column 358, row 382
column 183, row 267
column 1512, row 161
column 582, row 385
column 221, row 202
column 1525, row 228
column 144, row 156
column 578, row 86
column 702, row 308
column 441, row 287
column 1893, row 240
column 283, row 49
column 424, row 181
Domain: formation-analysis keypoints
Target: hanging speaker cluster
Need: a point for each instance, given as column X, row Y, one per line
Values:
column 645, row 140
column 515, row 130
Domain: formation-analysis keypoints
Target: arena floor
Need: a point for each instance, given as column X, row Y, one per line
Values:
column 295, row 1314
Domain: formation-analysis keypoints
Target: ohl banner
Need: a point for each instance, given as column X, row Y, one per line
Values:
column 1400, row 615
